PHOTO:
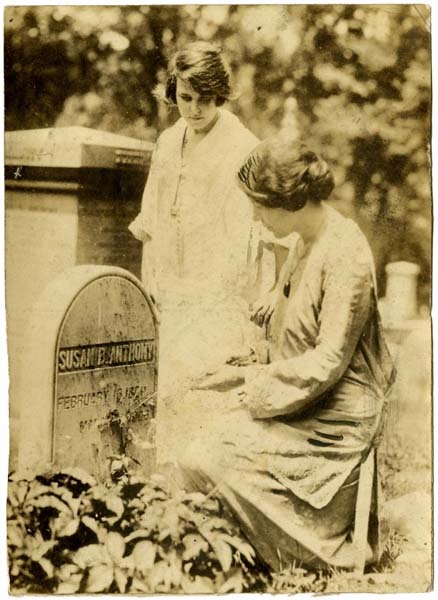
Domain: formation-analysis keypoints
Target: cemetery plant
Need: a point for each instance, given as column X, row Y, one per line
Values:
column 68, row 533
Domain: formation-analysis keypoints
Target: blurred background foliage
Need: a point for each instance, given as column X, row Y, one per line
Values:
column 353, row 79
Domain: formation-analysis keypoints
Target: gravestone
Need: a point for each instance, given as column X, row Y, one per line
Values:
column 70, row 194
column 401, row 290
column 89, row 388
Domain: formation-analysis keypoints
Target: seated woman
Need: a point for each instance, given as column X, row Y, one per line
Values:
column 282, row 439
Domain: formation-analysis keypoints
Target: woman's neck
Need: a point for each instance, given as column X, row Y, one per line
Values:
column 193, row 137
column 196, row 135
column 310, row 222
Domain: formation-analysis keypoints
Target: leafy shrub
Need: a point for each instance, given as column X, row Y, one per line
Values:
column 68, row 534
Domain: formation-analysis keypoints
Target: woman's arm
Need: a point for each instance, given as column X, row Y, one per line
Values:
column 264, row 306
column 290, row 385
column 144, row 225
column 224, row 379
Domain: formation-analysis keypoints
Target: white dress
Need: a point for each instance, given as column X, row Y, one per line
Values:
column 196, row 226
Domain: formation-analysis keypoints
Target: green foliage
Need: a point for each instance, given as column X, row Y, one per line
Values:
column 353, row 79
column 296, row 580
column 67, row 534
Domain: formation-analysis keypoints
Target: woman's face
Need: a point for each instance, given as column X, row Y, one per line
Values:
column 198, row 111
column 278, row 221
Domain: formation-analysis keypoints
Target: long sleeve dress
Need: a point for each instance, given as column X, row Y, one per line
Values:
column 196, row 227
column 195, row 224
column 286, row 459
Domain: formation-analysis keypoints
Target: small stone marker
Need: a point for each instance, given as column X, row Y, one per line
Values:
column 101, row 336
column 401, row 290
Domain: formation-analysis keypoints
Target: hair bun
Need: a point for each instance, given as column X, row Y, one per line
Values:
column 284, row 173
column 320, row 180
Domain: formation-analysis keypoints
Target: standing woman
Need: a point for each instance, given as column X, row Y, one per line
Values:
column 195, row 222
column 283, row 440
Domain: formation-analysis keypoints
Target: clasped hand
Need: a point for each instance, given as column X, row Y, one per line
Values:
column 263, row 308
column 225, row 378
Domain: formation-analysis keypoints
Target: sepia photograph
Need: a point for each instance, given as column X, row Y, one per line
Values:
column 218, row 283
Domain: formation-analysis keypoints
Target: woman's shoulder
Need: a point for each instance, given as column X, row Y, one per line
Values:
column 238, row 136
column 346, row 240
column 171, row 134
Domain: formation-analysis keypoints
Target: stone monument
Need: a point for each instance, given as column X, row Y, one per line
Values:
column 70, row 194
column 88, row 391
column 401, row 290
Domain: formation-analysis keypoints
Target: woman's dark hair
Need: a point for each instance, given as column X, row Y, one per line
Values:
column 202, row 66
column 284, row 173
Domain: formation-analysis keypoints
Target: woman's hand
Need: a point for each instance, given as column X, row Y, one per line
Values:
column 263, row 308
column 225, row 378
column 244, row 360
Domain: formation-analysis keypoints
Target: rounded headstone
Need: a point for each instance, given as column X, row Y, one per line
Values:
column 90, row 392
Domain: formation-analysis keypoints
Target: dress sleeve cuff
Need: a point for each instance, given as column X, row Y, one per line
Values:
column 258, row 397
column 139, row 230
